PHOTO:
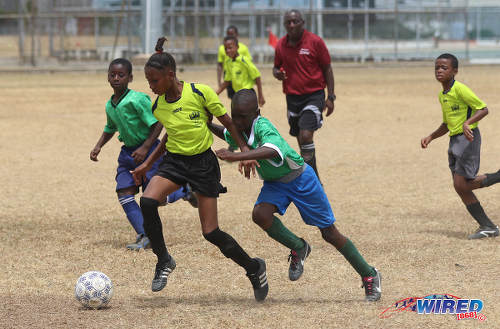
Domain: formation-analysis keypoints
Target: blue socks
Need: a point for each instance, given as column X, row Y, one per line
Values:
column 176, row 195
column 133, row 212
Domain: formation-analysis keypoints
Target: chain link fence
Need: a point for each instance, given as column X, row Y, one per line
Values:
column 40, row 32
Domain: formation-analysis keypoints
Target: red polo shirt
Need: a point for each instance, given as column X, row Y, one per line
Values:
column 302, row 63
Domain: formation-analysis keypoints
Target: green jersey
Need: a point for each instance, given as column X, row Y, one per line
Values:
column 131, row 116
column 264, row 134
column 459, row 104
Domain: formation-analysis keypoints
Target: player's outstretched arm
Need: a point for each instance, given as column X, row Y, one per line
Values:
column 105, row 137
column 440, row 131
column 259, row 153
column 216, row 129
column 222, row 86
column 258, row 82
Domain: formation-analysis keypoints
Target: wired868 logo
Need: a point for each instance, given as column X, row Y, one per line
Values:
column 438, row 304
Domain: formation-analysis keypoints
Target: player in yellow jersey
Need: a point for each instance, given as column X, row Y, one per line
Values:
column 184, row 109
column 462, row 110
column 240, row 72
column 221, row 58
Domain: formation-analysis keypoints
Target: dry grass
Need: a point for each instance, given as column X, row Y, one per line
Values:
column 59, row 216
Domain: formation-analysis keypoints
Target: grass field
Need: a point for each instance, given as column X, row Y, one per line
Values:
column 59, row 215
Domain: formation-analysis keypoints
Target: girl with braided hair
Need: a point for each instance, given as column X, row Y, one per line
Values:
column 184, row 109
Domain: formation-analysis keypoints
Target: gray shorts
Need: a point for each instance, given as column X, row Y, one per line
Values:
column 464, row 156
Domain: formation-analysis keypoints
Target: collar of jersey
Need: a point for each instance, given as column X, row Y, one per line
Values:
column 119, row 99
column 183, row 87
column 452, row 84
column 252, row 134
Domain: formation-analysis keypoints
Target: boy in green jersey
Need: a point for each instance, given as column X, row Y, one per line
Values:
column 129, row 112
column 462, row 110
column 288, row 179
column 239, row 71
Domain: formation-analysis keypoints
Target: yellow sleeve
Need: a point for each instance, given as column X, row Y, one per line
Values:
column 211, row 101
column 221, row 56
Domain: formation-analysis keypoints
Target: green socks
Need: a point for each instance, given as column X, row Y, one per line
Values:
column 357, row 261
column 280, row 233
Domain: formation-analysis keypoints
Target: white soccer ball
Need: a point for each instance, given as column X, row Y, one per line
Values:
column 94, row 289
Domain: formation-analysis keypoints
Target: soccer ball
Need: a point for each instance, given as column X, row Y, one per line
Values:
column 93, row 289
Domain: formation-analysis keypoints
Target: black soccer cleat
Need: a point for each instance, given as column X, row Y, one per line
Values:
column 484, row 232
column 297, row 259
column 162, row 272
column 259, row 281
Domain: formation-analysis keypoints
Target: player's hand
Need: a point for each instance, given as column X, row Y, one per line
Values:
column 330, row 107
column 468, row 133
column 280, row 74
column 226, row 155
column 262, row 101
column 140, row 154
column 139, row 173
column 94, row 153
column 424, row 142
column 247, row 166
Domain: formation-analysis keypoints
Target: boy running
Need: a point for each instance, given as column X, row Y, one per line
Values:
column 462, row 110
column 129, row 113
column 239, row 71
column 288, row 179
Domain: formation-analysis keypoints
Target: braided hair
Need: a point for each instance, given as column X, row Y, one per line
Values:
column 161, row 60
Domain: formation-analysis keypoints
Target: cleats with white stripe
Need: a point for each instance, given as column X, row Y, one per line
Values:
column 484, row 232
column 297, row 259
column 259, row 281
column 373, row 286
column 162, row 272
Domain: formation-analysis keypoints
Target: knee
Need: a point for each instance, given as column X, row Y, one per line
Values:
column 327, row 236
column 148, row 207
column 257, row 216
column 262, row 217
column 459, row 186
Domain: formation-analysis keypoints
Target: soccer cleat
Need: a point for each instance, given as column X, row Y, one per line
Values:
column 162, row 272
column 373, row 286
column 142, row 242
column 259, row 281
column 190, row 196
column 484, row 232
column 297, row 259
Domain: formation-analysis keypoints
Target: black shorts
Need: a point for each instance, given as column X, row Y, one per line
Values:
column 304, row 111
column 230, row 91
column 201, row 171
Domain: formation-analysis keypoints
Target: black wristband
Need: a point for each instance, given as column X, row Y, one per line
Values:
column 331, row 97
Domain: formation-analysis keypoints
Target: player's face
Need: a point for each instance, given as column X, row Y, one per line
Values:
column 243, row 117
column 119, row 77
column 231, row 33
column 294, row 25
column 444, row 70
column 159, row 80
column 231, row 48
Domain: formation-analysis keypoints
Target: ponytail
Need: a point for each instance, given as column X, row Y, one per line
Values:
column 161, row 60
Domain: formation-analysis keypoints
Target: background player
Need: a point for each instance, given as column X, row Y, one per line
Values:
column 303, row 64
column 462, row 110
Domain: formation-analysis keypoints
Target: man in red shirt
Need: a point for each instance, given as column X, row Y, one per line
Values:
column 302, row 62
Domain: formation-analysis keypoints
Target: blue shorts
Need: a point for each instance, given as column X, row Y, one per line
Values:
column 307, row 195
column 126, row 163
